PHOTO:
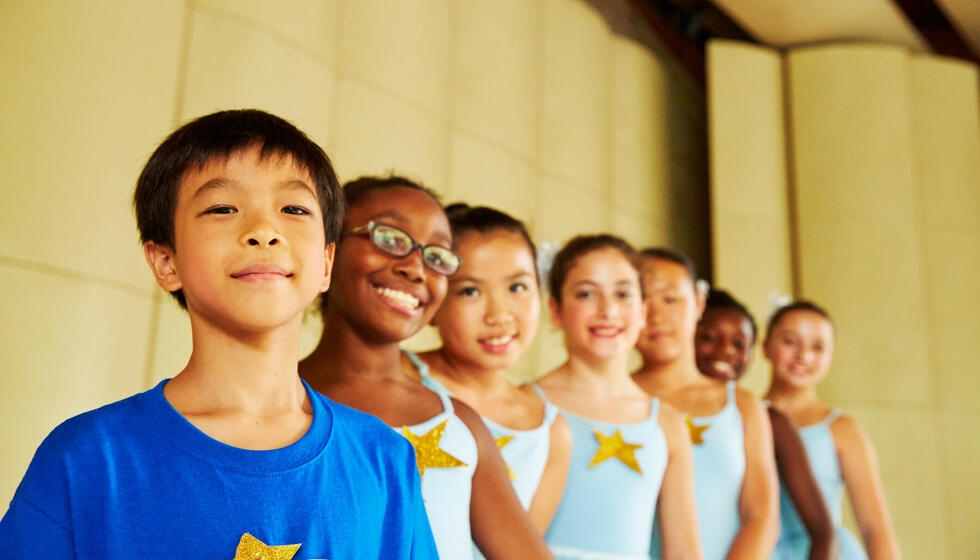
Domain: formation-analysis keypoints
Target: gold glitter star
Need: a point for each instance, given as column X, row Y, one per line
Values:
column 251, row 548
column 614, row 446
column 427, row 452
column 697, row 432
column 502, row 442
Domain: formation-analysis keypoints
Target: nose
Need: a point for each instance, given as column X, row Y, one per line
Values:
column 497, row 313
column 605, row 306
column 261, row 232
column 410, row 266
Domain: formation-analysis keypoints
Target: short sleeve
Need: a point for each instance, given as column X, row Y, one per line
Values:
column 27, row 533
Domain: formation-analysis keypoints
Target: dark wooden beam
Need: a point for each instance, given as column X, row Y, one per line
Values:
column 936, row 29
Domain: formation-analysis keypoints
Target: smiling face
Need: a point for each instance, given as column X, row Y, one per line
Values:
column 673, row 309
column 249, row 250
column 388, row 298
column 723, row 344
column 491, row 313
column 601, row 309
column 800, row 347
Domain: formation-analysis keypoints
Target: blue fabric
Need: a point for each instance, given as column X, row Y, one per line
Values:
column 447, row 491
column 794, row 541
column 135, row 479
column 719, row 469
column 607, row 510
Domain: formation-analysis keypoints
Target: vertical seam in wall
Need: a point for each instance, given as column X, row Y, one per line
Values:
column 335, row 85
column 610, row 109
column 539, row 202
column 450, row 125
column 942, row 476
column 792, row 213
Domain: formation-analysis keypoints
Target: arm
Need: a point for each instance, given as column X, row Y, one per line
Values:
column 499, row 524
column 794, row 470
column 552, row 486
column 859, row 468
column 676, row 505
column 758, row 503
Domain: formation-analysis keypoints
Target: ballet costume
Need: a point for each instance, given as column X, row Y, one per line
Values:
column 718, row 447
column 524, row 451
column 794, row 541
column 612, row 489
column 447, row 455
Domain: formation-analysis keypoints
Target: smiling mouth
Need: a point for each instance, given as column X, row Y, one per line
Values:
column 260, row 274
column 605, row 332
column 497, row 344
column 403, row 301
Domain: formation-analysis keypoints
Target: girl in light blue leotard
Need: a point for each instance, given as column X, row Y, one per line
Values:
column 488, row 320
column 799, row 345
column 631, row 456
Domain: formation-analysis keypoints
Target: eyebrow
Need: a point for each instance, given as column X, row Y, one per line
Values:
column 224, row 183
column 401, row 222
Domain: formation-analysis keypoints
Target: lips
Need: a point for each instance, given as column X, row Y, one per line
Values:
column 261, row 273
column 497, row 344
column 399, row 299
column 605, row 332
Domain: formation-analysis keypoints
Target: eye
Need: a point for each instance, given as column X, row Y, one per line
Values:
column 221, row 209
column 583, row 294
column 468, row 291
column 740, row 345
column 624, row 294
column 295, row 210
column 518, row 287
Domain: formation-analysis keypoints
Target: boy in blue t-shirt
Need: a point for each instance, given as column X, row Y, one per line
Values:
column 235, row 457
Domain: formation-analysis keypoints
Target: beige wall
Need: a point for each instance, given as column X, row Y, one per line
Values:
column 533, row 106
column 881, row 172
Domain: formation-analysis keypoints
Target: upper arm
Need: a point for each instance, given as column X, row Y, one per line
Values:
column 28, row 532
column 859, row 469
column 552, row 486
column 759, row 498
column 676, row 506
column 498, row 523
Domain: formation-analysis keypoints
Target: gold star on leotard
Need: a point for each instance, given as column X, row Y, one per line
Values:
column 502, row 442
column 614, row 446
column 697, row 437
column 251, row 548
column 427, row 452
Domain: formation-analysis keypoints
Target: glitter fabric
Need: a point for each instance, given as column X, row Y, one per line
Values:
column 427, row 451
column 697, row 432
column 614, row 446
column 251, row 548
column 502, row 442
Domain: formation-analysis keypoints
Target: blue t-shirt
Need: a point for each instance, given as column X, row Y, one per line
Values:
column 135, row 479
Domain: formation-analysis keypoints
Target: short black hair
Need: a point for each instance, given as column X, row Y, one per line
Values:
column 720, row 299
column 216, row 137
column 358, row 189
column 798, row 305
column 483, row 219
column 670, row 255
column 580, row 246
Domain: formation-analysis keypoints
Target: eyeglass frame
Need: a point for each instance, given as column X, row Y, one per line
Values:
column 370, row 227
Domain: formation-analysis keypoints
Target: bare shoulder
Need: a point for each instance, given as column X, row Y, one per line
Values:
column 467, row 415
column 848, row 433
column 561, row 432
column 668, row 415
column 748, row 403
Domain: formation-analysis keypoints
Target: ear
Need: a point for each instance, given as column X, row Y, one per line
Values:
column 162, row 261
column 328, row 254
column 555, row 309
column 701, row 300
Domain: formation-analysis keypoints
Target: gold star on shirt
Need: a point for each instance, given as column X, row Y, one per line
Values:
column 251, row 548
column 697, row 437
column 502, row 442
column 614, row 446
column 427, row 452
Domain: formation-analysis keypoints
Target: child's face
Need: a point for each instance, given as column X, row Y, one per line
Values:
column 249, row 250
column 800, row 348
column 491, row 313
column 601, row 310
column 673, row 311
column 387, row 298
column 723, row 344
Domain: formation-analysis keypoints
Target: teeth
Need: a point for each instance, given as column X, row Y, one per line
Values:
column 399, row 296
column 605, row 331
column 499, row 340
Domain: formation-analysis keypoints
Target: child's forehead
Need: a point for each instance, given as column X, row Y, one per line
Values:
column 249, row 164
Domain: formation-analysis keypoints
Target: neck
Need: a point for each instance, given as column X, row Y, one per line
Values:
column 601, row 376
column 788, row 397
column 478, row 381
column 668, row 375
column 237, row 370
column 344, row 354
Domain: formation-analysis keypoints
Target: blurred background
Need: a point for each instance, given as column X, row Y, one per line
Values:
column 827, row 149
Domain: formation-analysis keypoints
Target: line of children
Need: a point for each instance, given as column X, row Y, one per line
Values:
column 243, row 221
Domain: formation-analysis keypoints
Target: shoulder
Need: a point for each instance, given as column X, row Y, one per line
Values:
column 672, row 423
column 363, row 429
column 780, row 422
column 120, row 419
column 848, row 433
column 749, row 405
column 561, row 432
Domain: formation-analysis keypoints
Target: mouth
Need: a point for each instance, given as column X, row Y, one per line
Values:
column 497, row 344
column 398, row 299
column 605, row 332
column 798, row 370
column 723, row 368
column 261, row 273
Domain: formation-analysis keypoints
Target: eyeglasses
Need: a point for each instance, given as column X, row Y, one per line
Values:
column 397, row 243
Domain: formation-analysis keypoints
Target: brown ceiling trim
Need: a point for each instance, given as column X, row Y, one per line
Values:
column 936, row 29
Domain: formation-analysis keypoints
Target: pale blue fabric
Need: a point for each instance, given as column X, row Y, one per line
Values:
column 794, row 541
column 607, row 510
column 719, row 469
column 446, row 491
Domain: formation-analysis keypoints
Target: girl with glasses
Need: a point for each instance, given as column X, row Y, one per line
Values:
column 487, row 322
column 390, row 276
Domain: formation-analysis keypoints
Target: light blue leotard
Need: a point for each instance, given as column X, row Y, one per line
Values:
column 719, row 468
column 794, row 541
column 446, row 490
column 607, row 509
